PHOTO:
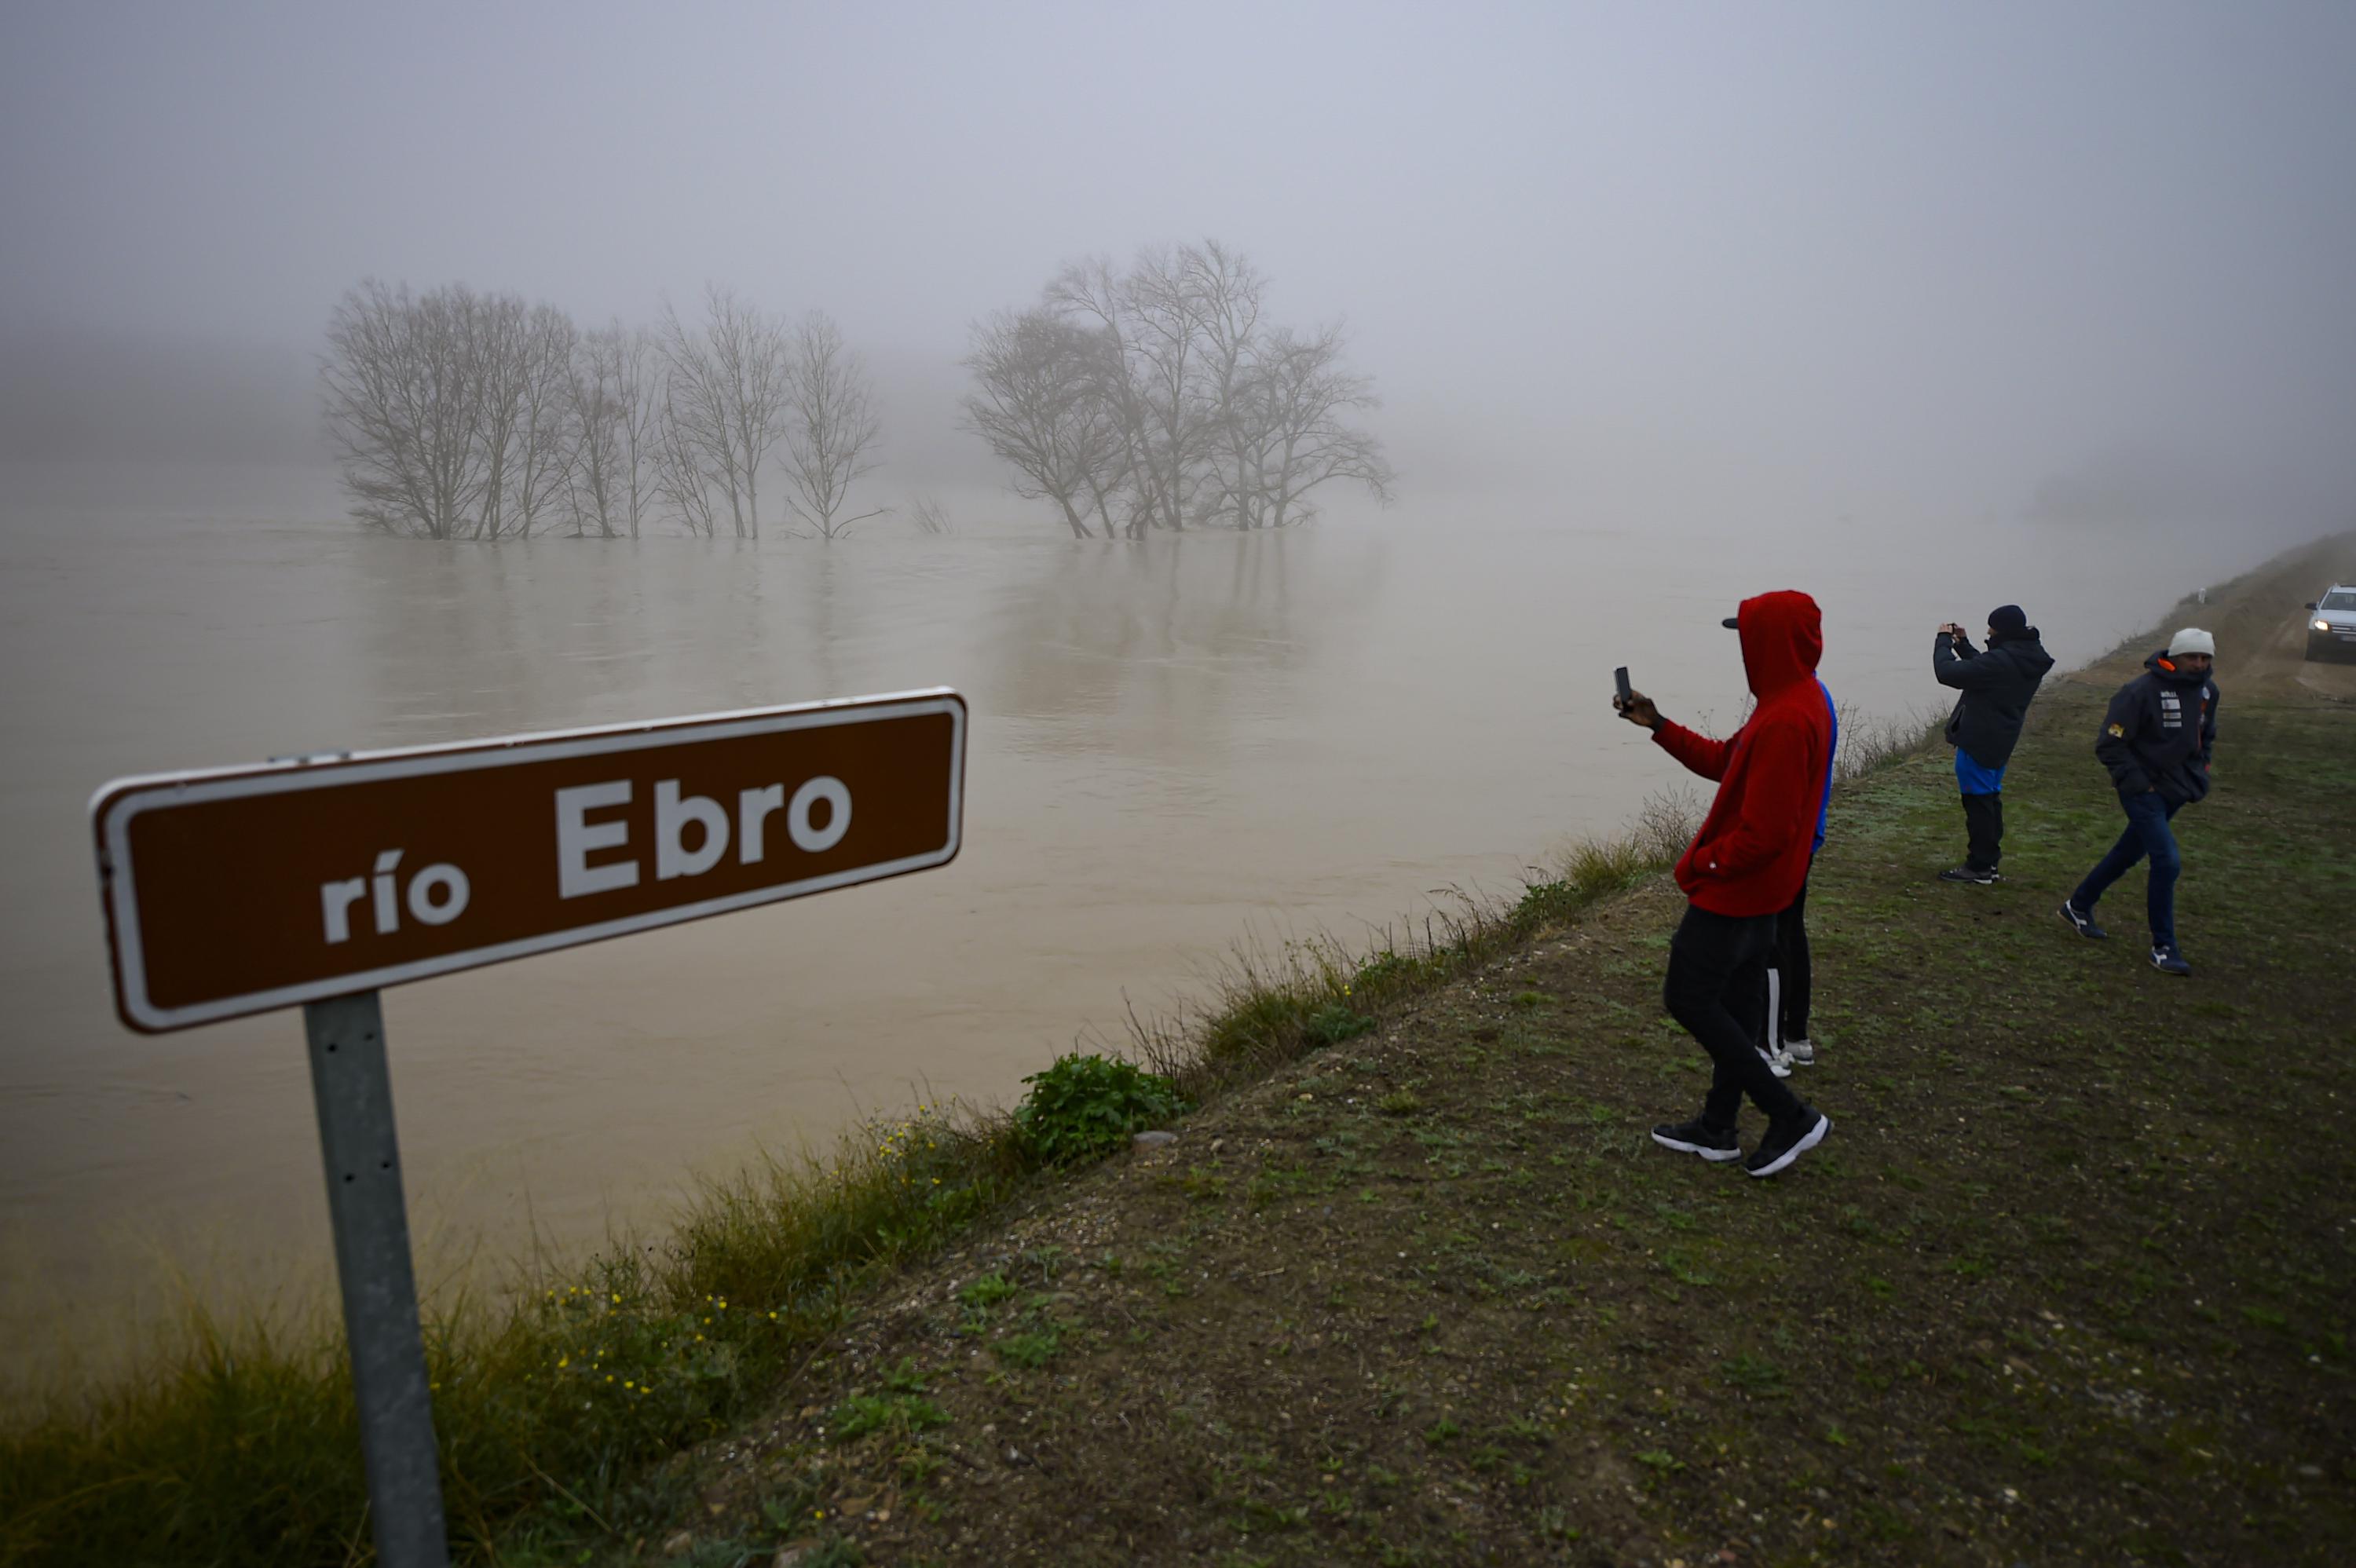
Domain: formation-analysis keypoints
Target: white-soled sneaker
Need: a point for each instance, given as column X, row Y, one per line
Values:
column 1778, row 1062
column 1697, row 1137
column 1800, row 1052
column 1787, row 1141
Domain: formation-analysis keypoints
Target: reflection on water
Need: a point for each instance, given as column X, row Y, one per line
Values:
column 1176, row 742
column 1155, row 651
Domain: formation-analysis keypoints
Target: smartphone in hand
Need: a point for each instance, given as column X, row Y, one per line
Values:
column 1620, row 681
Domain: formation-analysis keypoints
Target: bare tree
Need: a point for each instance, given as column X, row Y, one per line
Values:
column 494, row 335
column 831, row 426
column 1037, row 402
column 1091, row 295
column 1170, row 399
column 637, row 413
column 696, row 407
column 681, row 462
column 729, row 393
column 612, row 412
column 1294, row 410
column 400, row 390
column 594, row 392
column 544, row 450
column 1227, row 292
column 446, row 409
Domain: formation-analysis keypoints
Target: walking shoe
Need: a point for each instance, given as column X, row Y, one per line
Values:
column 1786, row 1141
column 2168, row 961
column 1800, row 1052
column 1969, row 874
column 2080, row 922
column 1697, row 1137
column 1777, row 1062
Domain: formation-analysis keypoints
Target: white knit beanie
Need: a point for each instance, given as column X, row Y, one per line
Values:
column 2192, row 640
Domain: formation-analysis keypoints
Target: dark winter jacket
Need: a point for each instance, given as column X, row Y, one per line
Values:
column 1752, row 854
column 2158, row 733
column 1996, row 685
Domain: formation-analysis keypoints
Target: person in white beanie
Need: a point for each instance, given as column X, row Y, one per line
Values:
column 2157, row 739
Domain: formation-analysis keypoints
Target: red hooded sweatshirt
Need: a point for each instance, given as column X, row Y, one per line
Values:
column 1752, row 854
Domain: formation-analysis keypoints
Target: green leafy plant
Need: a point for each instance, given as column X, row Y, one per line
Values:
column 1031, row 1349
column 988, row 1291
column 897, row 1413
column 1335, row 1022
column 1088, row 1106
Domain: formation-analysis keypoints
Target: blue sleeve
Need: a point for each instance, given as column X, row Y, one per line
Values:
column 1832, row 752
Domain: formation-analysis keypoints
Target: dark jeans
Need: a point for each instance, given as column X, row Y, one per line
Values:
column 1718, row 989
column 1984, row 829
column 2147, row 837
column 1788, row 978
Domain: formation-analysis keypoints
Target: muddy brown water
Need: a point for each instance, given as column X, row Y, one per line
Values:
column 1176, row 746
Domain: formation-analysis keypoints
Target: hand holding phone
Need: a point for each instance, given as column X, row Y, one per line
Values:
column 1631, row 704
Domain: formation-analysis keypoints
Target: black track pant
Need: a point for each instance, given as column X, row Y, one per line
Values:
column 1984, row 825
column 1789, row 980
column 1718, row 989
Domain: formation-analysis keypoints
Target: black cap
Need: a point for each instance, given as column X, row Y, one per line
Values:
column 2008, row 618
column 1732, row 623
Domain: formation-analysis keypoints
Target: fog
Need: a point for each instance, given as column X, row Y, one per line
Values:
column 1922, row 310
column 2083, row 264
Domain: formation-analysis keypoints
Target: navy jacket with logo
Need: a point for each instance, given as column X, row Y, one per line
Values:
column 2159, row 732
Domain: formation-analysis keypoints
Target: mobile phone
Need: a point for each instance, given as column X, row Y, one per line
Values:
column 1620, row 679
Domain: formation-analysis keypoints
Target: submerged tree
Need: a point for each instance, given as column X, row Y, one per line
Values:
column 611, row 408
column 479, row 416
column 1161, row 397
column 830, row 425
column 422, row 395
column 726, row 385
column 1037, row 401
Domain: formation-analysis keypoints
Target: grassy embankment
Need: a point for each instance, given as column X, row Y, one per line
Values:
column 2073, row 1269
column 235, row 1442
column 2072, row 1281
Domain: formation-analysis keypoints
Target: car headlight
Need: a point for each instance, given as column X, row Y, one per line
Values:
column 2323, row 625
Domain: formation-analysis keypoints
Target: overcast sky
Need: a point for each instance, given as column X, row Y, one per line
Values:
column 1851, row 255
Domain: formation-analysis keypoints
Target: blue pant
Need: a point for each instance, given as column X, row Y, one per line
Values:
column 1983, row 792
column 2147, row 836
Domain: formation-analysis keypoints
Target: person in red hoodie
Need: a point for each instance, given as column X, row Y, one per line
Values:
column 1746, row 864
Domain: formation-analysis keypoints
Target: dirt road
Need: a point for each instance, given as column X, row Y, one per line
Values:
column 2260, row 625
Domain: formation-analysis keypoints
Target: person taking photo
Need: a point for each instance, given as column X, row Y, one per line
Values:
column 1744, row 867
column 1994, row 685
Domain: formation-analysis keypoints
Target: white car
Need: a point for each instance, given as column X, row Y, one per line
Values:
column 2332, row 622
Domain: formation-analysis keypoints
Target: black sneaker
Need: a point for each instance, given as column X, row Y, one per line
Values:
column 1969, row 874
column 2168, row 961
column 2080, row 922
column 1786, row 1141
column 1698, row 1136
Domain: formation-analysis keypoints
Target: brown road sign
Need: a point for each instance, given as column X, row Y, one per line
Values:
column 241, row 890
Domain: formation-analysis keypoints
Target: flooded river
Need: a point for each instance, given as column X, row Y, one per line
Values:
column 1176, row 745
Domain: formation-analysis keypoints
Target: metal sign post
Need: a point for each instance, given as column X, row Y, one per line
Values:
column 354, row 1091
column 318, row 881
